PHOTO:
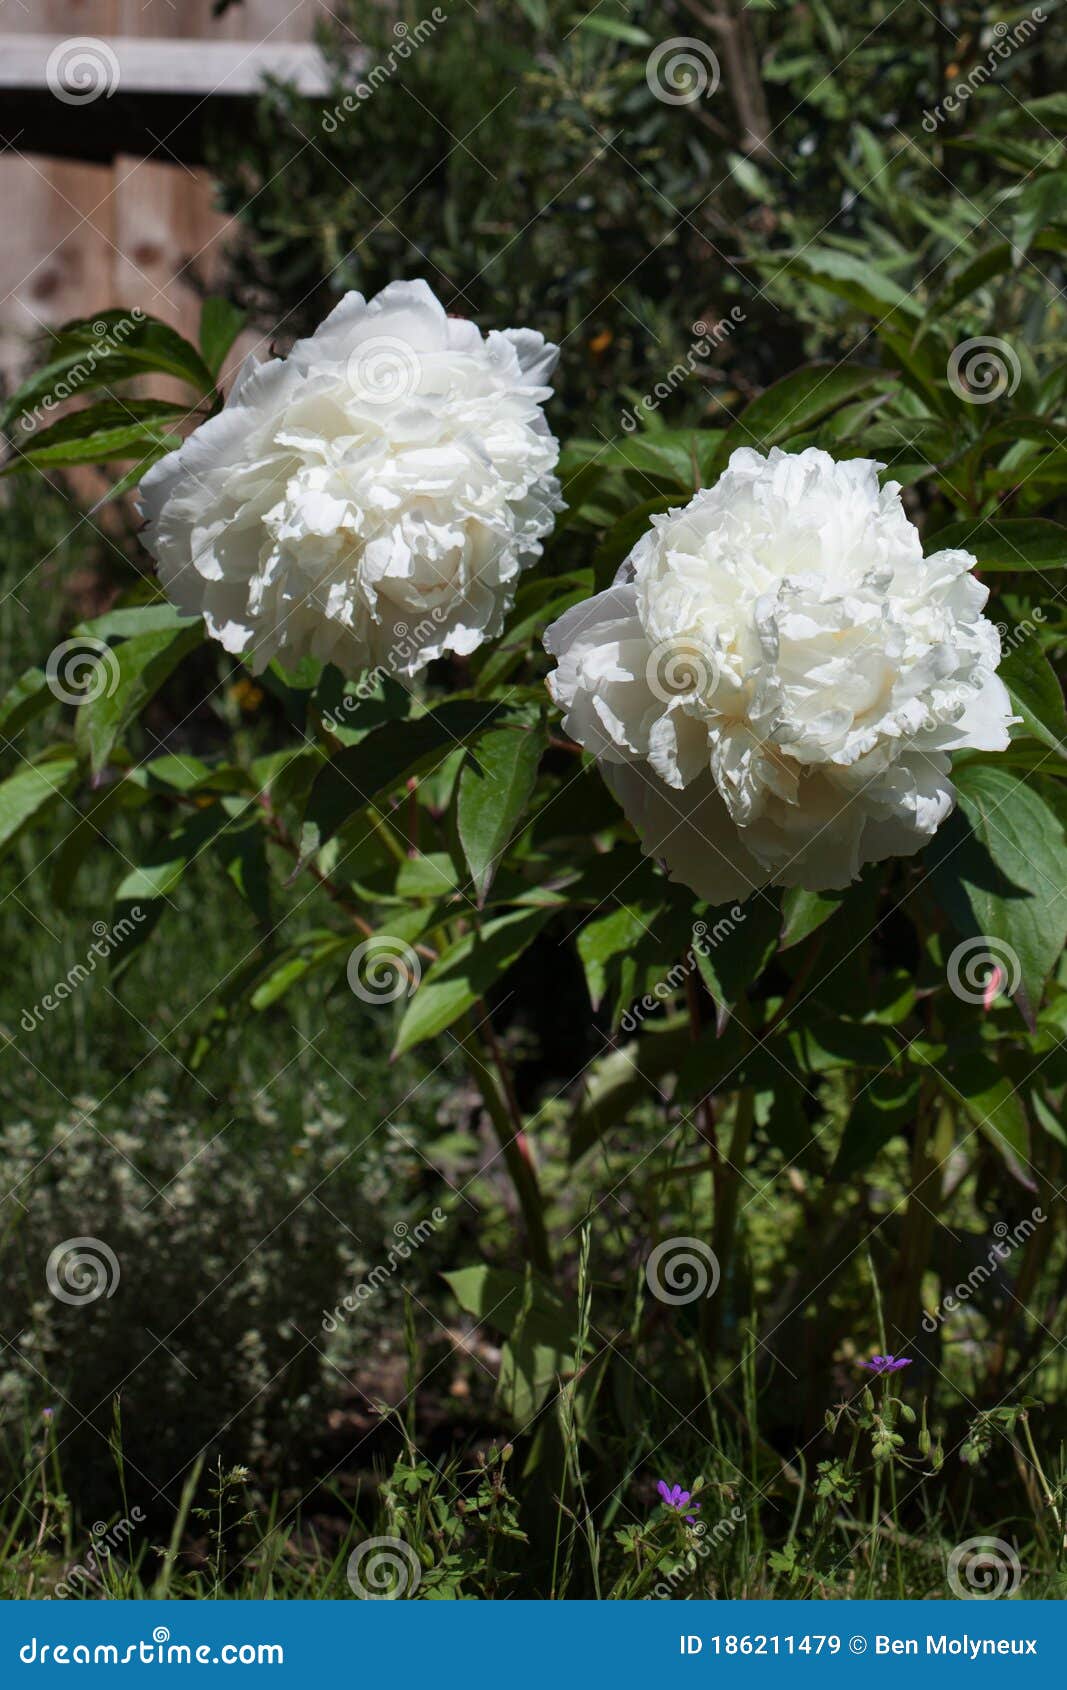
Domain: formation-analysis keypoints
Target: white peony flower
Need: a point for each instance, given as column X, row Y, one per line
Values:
column 775, row 681
column 371, row 498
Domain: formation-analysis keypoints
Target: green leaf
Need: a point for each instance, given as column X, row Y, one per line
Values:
column 854, row 279
column 622, row 537
column 799, row 401
column 883, row 1110
column 102, row 351
column 30, row 789
column 995, row 261
column 994, row 1105
column 220, row 324
column 823, row 1045
column 1040, row 203
column 804, row 912
column 366, row 773
column 610, row 935
column 618, row 1082
column 990, row 1097
column 1036, row 694
column 167, row 859
column 88, row 832
column 551, row 597
column 735, row 945
column 112, row 429
column 465, row 972
column 494, row 790
column 125, row 621
column 147, row 888
column 26, row 699
column 306, row 955
column 615, row 30
column 135, row 672
column 999, row 866
column 244, row 856
column 1015, row 543
column 541, row 1329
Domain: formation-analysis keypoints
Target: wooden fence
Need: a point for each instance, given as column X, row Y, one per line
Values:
column 132, row 227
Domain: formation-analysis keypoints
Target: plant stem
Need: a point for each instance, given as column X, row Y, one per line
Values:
column 1050, row 1497
column 503, row 1111
column 730, row 1176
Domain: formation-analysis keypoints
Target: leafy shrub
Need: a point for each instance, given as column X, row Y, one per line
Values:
column 208, row 1263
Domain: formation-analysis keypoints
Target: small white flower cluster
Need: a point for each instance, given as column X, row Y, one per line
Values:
column 772, row 687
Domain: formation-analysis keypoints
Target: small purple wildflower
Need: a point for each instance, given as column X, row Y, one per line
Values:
column 675, row 1497
column 886, row 1364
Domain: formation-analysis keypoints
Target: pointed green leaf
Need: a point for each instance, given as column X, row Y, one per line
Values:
column 220, row 324
column 368, row 772
column 799, row 401
column 465, row 972
column 1020, row 543
column 134, row 672
column 494, row 790
column 25, row 793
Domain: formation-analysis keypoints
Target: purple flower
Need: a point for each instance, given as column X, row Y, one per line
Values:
column 886, row 1364
column 675, row 1497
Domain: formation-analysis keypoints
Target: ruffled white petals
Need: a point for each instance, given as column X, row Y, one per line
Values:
column 779, row 673
column 369, row 500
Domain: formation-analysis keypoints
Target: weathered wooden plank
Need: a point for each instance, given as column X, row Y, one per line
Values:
column 83, row 70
